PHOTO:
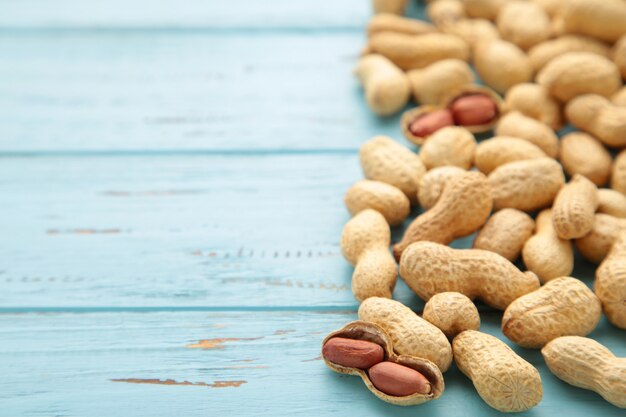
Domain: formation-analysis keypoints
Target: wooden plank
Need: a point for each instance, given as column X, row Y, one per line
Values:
column 190, row 14
column 177, row 230
column 180, row 230
column 182, row 91
column 302, row 14
column 261, row 363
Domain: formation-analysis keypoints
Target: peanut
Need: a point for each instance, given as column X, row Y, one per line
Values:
column 517, row 125
column 429, row 268
column 610, row 202
column 610, row 284
column 505, row 233
column 397, row 380
column 445, row 12
column 583, row 154
column 418, row 51
column 421, row 122
column 618, row 173
column 499, row 150
column 452, row 312
column 473, row 31
column 384, row 198
column 544, row 52
column 382, row 159
column 601, row 19
column 574, row 208
column 551, row 7
column 473, row 109
column 598, row 116
column 353, row 353
column 587, row 364
column 563, row 307
column 449, row 146
column 596, row 245
column 526, row 185
column 386, row 87
column 431, row 84
column 410, row 334
column 432, row 184
column 545, row 253
column 619, row 55
column 523, row 23
column 371, row 333
column 484, row 9
column 501, row 64
column 364, row 243
column 389, row 6
column 387, row 22
column 576, row 73
column 449, row 17
column 464, row 205
column 503, row 379
column 619, row 98
column 533, row 101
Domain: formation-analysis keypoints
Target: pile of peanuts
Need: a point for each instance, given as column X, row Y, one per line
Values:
column 528, row 194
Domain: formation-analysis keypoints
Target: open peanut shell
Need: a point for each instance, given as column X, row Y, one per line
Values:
column 410, row 116
column 370, row 332
column 472, row 89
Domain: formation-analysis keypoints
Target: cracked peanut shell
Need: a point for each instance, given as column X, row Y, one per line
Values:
column 362, row 330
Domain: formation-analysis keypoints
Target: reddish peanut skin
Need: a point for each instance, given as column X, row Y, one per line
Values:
column 353, row 353
column 474, row 109
column 431, row 122
column 397, row 380
column 367, row 331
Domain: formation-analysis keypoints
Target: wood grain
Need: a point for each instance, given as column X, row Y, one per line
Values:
column 172, row 175
column 176, row 230
column 185, row 14
column 104, row 364
column 106, row 91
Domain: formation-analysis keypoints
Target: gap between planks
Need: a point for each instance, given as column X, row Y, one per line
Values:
column 176, row 153
column 157, row 309
column 332, row 309
column 177, row 30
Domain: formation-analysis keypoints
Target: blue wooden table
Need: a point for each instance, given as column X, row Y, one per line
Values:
column 171, row 179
